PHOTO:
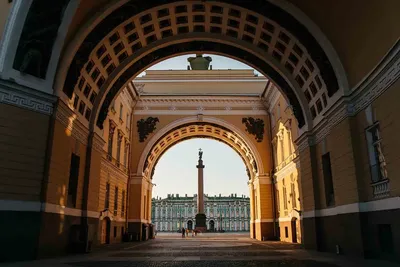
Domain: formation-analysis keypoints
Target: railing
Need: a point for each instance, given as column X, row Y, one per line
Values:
column 115, row 162
column 286, row 161
column 381, row 188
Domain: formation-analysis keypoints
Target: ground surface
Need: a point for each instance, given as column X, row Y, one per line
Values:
column 226, row 250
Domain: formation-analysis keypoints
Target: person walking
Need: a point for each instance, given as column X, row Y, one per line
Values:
column 183, row 232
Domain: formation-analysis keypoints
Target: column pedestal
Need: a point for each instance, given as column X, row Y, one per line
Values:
column 200, row 216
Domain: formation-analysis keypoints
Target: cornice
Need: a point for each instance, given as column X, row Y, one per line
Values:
column 196, row 100
column 27, row 98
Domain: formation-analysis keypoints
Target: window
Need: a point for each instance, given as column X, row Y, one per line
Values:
column 107, row 198
column 293, row 192
column 286, row 232
column 278, row 203
column 119, row 148
column 289, row 142
column 110, row 139
column 282, row 148
column 122, row 231
column 126, row 149
column 328, row 182
column 123, row 203
column 284, row 196
column 376, row 157
column 127, row 121
column 116, row 201
column 121, row 109
column 73, row 180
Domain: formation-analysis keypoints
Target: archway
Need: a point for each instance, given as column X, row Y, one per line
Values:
column 107, row 59
column 294, row 229
column 279, row 46
column 190, row 225
column 229, row 132
column 105, row 230
column 211, row 226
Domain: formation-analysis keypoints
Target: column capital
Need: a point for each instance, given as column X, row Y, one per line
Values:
column 139, row 179
column 262, row 179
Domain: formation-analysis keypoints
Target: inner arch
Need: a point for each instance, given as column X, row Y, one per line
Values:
column 198, row 129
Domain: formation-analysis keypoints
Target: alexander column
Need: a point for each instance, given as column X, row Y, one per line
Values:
column 200, row 216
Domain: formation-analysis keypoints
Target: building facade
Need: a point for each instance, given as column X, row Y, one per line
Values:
column 224, row 213
column 62, row 155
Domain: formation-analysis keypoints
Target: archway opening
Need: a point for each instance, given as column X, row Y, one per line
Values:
column 175, row 194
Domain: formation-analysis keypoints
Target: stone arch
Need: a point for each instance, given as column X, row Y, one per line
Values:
column 191, row 127
column 284, row 43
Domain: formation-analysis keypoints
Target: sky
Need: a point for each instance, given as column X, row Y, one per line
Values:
column 176, row 172
column 218, row 62
column 224, row 172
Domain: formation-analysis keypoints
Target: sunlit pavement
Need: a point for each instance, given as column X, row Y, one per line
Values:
column 227, row 250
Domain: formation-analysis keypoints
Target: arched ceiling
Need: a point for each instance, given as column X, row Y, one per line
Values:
column 199, row 130
column 266, row 37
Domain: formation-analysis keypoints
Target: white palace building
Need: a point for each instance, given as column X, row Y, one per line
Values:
column 224, row 213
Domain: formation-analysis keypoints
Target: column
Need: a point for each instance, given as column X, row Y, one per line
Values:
column 264, row 217
column 200, row 216
column 139, row 208
column 252, row 209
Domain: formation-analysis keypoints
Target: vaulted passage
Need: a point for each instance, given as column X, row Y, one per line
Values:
column 82, row 130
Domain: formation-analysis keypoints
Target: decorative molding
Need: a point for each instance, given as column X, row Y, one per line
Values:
column 287, row 170
column 27, row 98
column 188, row 112
column 17, row 205
column 199, row 100
column 146, row 127
column 255, row 127
column 36, row 206
column 370, row 206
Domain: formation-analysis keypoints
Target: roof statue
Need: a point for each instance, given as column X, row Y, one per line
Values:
column 200, row 154
column 199, row 62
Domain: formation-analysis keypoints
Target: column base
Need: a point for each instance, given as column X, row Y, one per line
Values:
column 264, row 231
column 201, row 222
column 140, row 231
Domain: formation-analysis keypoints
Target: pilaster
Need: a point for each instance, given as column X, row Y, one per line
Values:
column 139, row 205
column 264, row 216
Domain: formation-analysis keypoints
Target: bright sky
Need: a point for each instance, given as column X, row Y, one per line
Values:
column 218, row 62
column 176, row 172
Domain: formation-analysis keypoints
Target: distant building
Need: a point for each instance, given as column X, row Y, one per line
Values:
column 227, row 213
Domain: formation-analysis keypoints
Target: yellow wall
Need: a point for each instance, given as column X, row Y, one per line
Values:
column 22, row 157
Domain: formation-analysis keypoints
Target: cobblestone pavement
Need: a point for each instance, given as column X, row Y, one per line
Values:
column 202, row 251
